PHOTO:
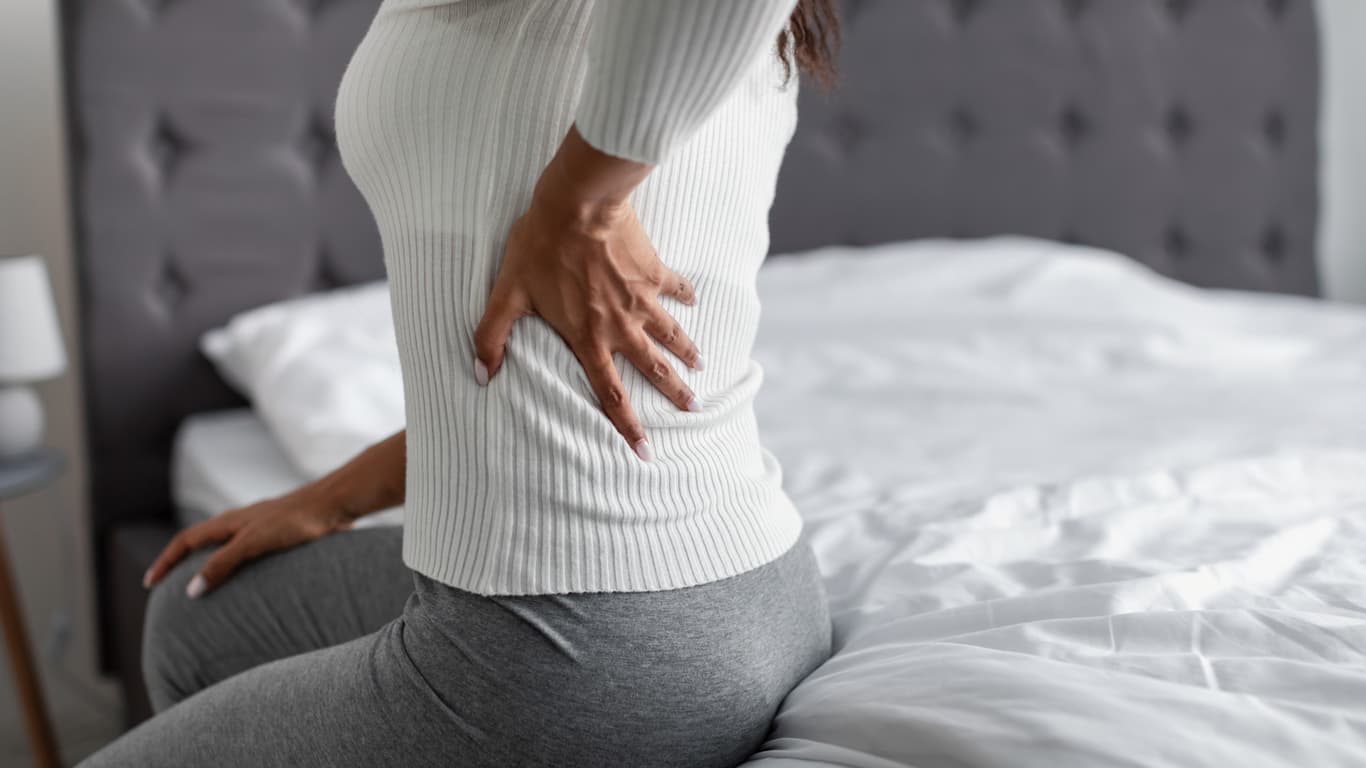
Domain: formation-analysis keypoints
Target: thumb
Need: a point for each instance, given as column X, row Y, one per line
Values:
column 490, row 338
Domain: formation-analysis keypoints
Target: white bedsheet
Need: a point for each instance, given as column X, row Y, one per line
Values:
column 227, row 459
column 1069, row 513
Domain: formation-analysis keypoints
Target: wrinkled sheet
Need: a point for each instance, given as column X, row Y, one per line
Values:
column 1069, row 512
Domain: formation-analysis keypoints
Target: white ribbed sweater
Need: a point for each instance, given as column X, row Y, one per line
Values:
column 446, row 115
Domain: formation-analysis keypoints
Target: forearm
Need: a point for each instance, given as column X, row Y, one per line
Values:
column 372, row 481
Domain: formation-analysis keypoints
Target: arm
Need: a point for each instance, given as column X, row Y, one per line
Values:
column 372, row 481
column 657, row 69
column 578, row 258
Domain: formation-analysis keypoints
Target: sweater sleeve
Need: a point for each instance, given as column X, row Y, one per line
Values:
column 658, row 68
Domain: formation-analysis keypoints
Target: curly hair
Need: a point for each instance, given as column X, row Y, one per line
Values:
column 811, row 41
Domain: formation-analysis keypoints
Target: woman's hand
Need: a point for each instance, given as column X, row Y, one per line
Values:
column 580, row 260
column 371, row 481
column 248, row 533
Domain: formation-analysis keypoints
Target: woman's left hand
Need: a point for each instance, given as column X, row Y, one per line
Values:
column 590, row 271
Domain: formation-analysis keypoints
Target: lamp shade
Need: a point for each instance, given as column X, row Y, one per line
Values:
column 30, row 338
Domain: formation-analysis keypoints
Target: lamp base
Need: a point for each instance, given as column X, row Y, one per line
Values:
column 21, row 421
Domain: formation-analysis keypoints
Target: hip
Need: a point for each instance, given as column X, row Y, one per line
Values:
column 695, row 673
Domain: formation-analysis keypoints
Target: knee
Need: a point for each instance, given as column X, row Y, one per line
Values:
column 170, row 659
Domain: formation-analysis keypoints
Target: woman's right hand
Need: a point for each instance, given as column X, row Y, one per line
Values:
column 249, row 532
column 579, row 259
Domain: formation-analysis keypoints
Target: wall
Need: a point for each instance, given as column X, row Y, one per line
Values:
column 47, row 531
column 1343, row 234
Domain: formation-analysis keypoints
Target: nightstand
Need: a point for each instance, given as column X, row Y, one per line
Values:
column 17, row 478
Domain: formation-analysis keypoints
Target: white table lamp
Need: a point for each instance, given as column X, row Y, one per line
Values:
column 30, row 350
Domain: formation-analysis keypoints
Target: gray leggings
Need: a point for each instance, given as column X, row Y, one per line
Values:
column 336, row 654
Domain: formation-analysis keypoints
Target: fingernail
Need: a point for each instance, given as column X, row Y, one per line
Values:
column 481, row 373
column 694, row 406
column 643, row 451
column 147, row 579
column 699, row 363
column 196, row 587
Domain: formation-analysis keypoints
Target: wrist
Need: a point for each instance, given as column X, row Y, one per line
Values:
column 589, row 187
column 373, row 480
column 325, row 496
column 565, row 205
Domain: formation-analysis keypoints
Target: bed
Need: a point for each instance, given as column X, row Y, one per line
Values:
column 1080, row 455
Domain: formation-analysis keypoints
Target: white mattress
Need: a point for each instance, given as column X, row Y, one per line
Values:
column 227, row 459
column 1069, row 513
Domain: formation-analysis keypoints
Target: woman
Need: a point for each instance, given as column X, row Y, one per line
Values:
column 599, row 566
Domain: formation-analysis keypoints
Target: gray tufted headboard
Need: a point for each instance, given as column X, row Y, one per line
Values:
column 1180, row 132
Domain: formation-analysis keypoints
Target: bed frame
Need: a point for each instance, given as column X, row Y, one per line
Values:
column 206, row 180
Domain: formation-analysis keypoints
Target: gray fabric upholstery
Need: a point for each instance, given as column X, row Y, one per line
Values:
column 205, row 179
column 1182, row 133
column 207, row 182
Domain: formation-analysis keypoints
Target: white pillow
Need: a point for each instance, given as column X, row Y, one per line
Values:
column 322, row 371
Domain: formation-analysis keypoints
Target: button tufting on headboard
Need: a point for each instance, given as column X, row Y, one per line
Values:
column 309, row 8
column 1176, row 244
column 846, row 133
column 1073, row 9
column 1179, row 9
column 963, row 10
column 325, row 275
column 1179, row 125
column 155, row 8
column 963, row 125
column 169, row 289
column 318, row 143
column 1274, row 245
column 1072, row 127
column 1274, row 128
column 850, row 9
column 165, row 148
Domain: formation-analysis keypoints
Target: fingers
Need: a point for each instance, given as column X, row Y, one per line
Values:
column 668, row 332
column 606, row 382
column 490, row 338
column 646, row 357
column 188, row 540
column 220, row 566
column 678, row 287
